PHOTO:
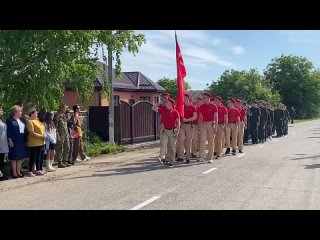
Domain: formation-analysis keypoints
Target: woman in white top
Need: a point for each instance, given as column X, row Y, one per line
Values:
column 3, row 145
column 51, row 140
column 16, row 135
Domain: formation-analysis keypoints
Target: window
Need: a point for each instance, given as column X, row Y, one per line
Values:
column 131, row 101
column 116, row 100
column 145, row 99
column 156, row 100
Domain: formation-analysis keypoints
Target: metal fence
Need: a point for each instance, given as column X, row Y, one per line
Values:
column 133, row 123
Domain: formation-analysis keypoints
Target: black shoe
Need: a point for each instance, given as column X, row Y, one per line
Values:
column 234, row 152
column 194, row 156
column 170, row 165
column 3, row 178
column 227, row 151
column 215, row 154
column 188, row 161
column 240, row 151
column 179, row 160
column 21, row 176
column 71, row 163
column 14, row 177
column 217, row 157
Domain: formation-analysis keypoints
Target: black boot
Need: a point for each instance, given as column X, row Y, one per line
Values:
column 234, row 152
column 227, row 151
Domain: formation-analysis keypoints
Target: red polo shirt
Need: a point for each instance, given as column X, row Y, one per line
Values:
column 189, row 110
column 222, row 110
column 233, row 113
column 159, row 107
column 169, row 117
column 198, row 112
column 208, row 111
column 243, row 113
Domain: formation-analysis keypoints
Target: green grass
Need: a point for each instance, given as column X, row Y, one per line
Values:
column 306, row 120
column 96, row 149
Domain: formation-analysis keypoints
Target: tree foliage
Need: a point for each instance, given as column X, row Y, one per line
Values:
column 247, row 85
column 298, row 83
column 35, row 63
column 170, row 85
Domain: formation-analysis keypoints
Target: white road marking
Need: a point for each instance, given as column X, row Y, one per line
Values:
column 241, row 155
column 210, row 170
column 261, row 146
column 145, row 203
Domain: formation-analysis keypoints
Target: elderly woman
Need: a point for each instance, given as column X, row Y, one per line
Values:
column 17, row 140
column 3, row 145
column 36, row 141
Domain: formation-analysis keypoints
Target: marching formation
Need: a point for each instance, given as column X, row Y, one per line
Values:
column 207, row 124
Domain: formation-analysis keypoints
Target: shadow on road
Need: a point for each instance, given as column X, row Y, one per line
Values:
column 141, row 166
column 313, row 137
column 312, row 166
column 306, row 157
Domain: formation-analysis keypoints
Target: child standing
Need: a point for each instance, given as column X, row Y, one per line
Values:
column 51, row 140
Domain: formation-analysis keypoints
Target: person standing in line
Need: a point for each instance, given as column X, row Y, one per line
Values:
column 16, row 135
column 70, row 126
column 242, row 124
column 62, row 146
column 232, row 127
column 278, row 119
column 271, row 114
column 77, row 140
column 246, row 136
column 51, row 140
column 286, row 120
column 171, row 123
column 185, row 133
column 293, row 115
column 36, row 140
column 208, row 127
column 163, row 147
column 222, row 123
column 196, row 130
column 4, row 149
column 263, row 122
column 255, row 114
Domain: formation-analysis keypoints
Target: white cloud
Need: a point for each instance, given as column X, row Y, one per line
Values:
column 302, row 36
column 237, row 50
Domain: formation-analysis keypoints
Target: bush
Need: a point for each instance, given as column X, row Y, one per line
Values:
column 97, row 149
column 92, row 137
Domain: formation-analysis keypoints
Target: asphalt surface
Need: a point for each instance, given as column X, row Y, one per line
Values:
column 280, row 174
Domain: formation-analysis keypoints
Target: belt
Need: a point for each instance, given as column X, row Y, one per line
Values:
column 170, row 128
column 233, row 122
column 220, row 122
column 188, row 123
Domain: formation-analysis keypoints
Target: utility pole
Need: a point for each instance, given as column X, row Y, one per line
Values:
column 111, row 105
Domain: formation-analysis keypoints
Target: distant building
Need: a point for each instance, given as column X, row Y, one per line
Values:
column 132, row 87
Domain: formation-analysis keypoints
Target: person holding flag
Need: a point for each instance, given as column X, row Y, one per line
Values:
column 185, row 136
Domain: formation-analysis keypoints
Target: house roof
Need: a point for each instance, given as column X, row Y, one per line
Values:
column 129, row 81
column 195, row 93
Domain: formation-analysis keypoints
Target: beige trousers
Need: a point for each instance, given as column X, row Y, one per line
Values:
column 168, row 141
column 195, row 139
column 184, row 141
column 240, row 136
column 206, row 134
column 232, row 130
column 219, row 139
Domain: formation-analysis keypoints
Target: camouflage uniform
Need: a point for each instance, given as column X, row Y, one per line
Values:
column 63, row 145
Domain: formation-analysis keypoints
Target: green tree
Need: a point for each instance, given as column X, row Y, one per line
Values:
column 298, row 83
column 34, row 63
column 247, row 85
column 170, row 85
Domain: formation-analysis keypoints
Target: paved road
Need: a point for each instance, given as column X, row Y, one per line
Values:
column 281, row 174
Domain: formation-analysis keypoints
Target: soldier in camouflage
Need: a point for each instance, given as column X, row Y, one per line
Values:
column 63, row 146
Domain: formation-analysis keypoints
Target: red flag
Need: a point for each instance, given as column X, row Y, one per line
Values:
column 181, row 74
